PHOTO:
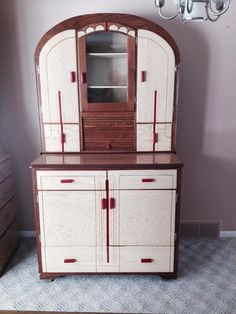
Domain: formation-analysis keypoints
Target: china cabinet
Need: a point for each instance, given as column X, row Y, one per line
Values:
column 107, row 184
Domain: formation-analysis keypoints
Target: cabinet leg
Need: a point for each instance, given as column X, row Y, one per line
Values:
column 50, row 278
column 169, row 276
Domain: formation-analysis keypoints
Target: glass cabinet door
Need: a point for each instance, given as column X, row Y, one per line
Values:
column 107, row 67
column 106, row 71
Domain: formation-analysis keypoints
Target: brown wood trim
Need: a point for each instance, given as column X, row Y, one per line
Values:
column 40, row 114
column 174, row 118
column 53, row 276
column 177, row 220
column 82, row 68
column 131, row 21
column 37, row 220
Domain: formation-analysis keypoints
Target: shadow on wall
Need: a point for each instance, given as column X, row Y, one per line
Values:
column 208, row 188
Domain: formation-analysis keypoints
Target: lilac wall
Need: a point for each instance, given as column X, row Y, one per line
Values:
column 207, row 107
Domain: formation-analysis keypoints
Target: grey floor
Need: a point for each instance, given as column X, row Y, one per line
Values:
column 206, row 284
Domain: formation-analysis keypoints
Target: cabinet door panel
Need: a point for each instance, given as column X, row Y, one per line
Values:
column 53, row 142
column 68, row 259
column 145, row 137
column 156, row 58
column 147, row 217
column 58, row 68
column 67, row 218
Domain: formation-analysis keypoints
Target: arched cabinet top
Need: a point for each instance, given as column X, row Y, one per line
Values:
column 125, row 23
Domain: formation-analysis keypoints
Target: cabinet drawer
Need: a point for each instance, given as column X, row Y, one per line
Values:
column 6, row 190
column 143, row 179
column 71, row 180
column 8, row 243
column 146, row 259
column 68, row 259
column 7, row 215
column 5, row 167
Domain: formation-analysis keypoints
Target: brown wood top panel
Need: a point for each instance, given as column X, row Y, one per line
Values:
column 131, row 21
column 108, row 161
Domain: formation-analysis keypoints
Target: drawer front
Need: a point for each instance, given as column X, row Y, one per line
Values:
column 7, row 215
column 71, row 180
column 68, row 259
column 146, row 259
column 7, row 188
column 5, row 167
column 8, row 243
column 143, row 179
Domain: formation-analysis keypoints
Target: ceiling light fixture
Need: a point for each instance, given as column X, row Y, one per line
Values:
column 195, row 10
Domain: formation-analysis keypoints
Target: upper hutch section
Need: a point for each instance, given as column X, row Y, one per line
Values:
column 107, row 83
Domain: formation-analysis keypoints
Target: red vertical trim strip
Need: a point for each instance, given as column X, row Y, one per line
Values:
column 154, row 119
column 61, row 122
column 107, row 221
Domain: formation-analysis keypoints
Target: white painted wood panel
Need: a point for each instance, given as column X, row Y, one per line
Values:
column 147, row 217
column 67, row 218
column 156, row 58
column 145, row 137
column 56, row 62
column 53, row 259
column 52, row 138
column 82, row 180
column 132, row 179
column 162, row 259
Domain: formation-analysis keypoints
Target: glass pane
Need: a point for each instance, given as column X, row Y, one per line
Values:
column 107, row 95
column 107, row 67
column 108, row 70
column 106, row 42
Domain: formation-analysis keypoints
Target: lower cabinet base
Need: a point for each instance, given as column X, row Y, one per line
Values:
column 53, row 276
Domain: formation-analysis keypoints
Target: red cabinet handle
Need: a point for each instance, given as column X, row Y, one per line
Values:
column 70, row 260
column 143, row 76
column 112, row 203
column 103, row 203
column 155, row 138
column 146, row 260
column 148, row 180
column 67, row 181
column 83, row 78
column 72, row 77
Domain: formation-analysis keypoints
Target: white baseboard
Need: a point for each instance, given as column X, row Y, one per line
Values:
column 27, row 234
column 227, row 234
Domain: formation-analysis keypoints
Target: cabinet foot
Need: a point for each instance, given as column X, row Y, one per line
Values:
column 50, row 278
column 169, row 276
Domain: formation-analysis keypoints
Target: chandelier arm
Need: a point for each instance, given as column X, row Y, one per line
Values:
column 210, row 18
column 210, row 8
column 165, row 17
column 189, row 8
